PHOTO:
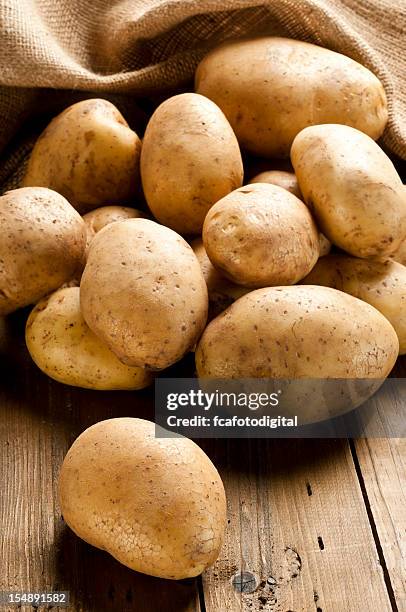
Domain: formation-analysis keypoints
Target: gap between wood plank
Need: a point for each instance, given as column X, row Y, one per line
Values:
column 374, row 529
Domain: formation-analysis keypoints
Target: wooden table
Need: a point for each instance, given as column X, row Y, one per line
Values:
column 313, row 525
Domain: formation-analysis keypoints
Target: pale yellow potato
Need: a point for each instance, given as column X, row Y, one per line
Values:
column 222, row 292
column 89, row 155
column 303, row 332
column 352, row 188
column 42, row 245
column 65, row 348
column 281, row 178
column 288, row 180
column 271, row 88
column 100, row 217
column 190, row 159
column 261, row 235
column 379, row 283
column 155, row 504
column 143, row 293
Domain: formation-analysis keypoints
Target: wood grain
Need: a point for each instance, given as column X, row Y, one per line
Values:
column 383, row 467
column 298, row 523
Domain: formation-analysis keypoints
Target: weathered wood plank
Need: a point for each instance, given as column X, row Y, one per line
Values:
column 299, row 524
column 383, row 467
column 39, row 419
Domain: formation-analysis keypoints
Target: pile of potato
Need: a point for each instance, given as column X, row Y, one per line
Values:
column 299, row 270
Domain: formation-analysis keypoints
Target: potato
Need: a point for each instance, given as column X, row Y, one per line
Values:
column 288, row 181
column 381, row 284
column 222, row 292
column 155, row 504
column 261, row 235
column 190, row 159
column 89, row 155
column 353, row 189
column 281, row 178
column 143, row 293
column 42, row 244
column 100, row 217
column 64, row 348
column 296, row 333
column 400, row 254
column 271, row 88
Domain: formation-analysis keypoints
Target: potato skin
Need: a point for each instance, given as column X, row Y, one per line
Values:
column 42, row 244
column 281, row 178
column 143, row 293
column 381, row 284
column 222, row 292
column 89, row 155
column 288, row 180
column 97, row 219
column 65, row 348
column 190, row 159
column 155, row 504
column 298, row 332
column 352, row 188
column 261, row 235
column 271, row 88
column 400, row 254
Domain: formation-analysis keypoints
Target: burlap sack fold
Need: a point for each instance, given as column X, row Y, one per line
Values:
column 142, row 47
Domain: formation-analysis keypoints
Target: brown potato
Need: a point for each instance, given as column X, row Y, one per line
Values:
column 97, row 219
column 64, row 348
column 89, row 155
column 143, row 293
column 261, row 235
column 352, row 188
column 190, row 159
column 42, row 245
column 155, row 504
column 379, row 283
column 271, row 88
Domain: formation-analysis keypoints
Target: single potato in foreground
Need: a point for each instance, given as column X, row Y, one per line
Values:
column 42, row 245
column 89, row 155
column 381, row 284
column 64, row 348
column 261, row 235
column 190, row 159
column 302, row 332
column 143, row 293
column 271, row 88
column 352, row 188
column 155, row 504
column 222, row 292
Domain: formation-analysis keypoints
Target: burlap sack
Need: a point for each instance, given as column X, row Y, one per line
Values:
column 144, row 47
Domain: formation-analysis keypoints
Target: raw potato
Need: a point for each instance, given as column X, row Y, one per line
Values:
column 288, row 181
column 296, row 333
column 100, row 217
column 89, row 155
column 271, row 88
column 261, row 235
column 353, row 189
column 42, row 245
column 400, row 254
column 381, row 284
column 143, row 293
column 155, row 504
column 64, row 348
column 190, row 159
column 281, row 178
column 222, row 292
